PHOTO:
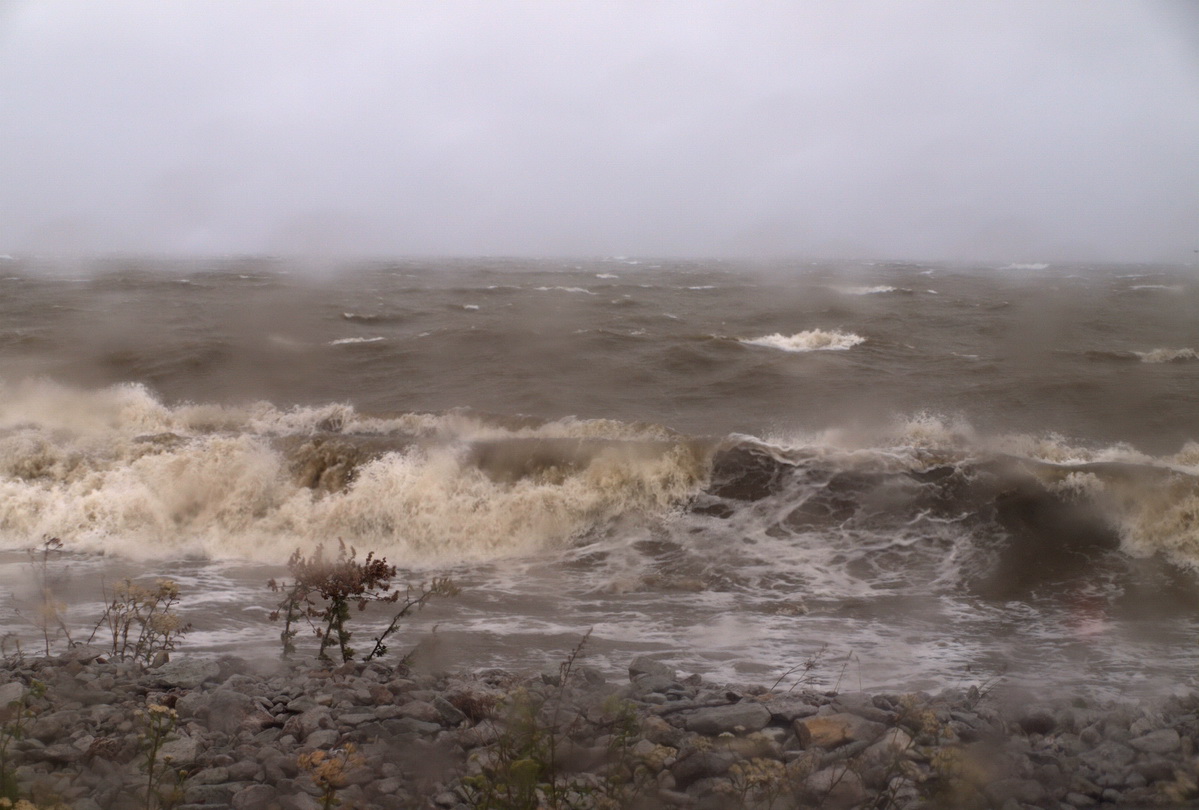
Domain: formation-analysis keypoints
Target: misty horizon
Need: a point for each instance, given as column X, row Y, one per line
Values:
column 1016, row 132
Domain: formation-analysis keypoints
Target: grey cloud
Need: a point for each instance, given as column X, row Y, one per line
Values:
column 1019, row 130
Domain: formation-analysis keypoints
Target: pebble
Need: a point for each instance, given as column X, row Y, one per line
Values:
column 695, row 744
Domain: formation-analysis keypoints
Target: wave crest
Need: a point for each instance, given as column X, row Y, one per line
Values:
column 808, row 341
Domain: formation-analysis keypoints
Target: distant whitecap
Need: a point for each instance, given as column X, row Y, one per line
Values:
column 876, row 290
column 566, row 289
column 811, row 340
column 345, row 341
column 1167, row 355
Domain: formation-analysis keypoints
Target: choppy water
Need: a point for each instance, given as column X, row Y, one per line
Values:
column 929, row 472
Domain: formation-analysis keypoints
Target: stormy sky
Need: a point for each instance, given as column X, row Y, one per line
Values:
column 1024, row 130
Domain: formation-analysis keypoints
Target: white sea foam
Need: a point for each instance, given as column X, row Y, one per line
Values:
column 566, row 289
column 876, row 290
column 116, row 471
column 1167, row 355
column 470, row 307
column 606, row 275
column 808, row 341
column 1168, row 287
column 347, row 341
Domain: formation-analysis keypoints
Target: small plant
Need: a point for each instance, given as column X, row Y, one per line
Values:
column 328, row 771
column 805, row 668
column 524, row 771
column 15, row 718
column 323, row 591
column 158, row 723
column 48, row 612
column 141, row 621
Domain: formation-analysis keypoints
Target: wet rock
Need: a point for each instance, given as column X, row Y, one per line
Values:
column 644, row 665
column 834, row 730
column 185, row 673
column 1040, row 722
column 420, row 710
column 699, row 765
column 1164, row 741
column 254, row 797
column 738, row 718
column 182, row 750
column 862, row 704
column 450, row 714
column 1026, row 791
column 227, row 710
column 10, row 692
column 895, row 743
column 322, row 738
column 789, row 709
column 837, row 788
column 1108, row 756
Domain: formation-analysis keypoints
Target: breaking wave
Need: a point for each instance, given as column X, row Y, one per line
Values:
column 348, row 341
column 808, row 341
column 923, row 500
column 876, row 290
column 117, row 471
column 1167, row 355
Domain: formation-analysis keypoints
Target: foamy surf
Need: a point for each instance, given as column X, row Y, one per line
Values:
column 354, row 340
column 1167, row 355
column 117, row 472
column 878, row 289
column 808, row 341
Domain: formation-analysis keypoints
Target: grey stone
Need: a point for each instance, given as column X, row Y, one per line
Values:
column 790, row 709
column 10, row 692
column 420, row 710
column 838, row 787
column 1164, row 741
column 1027, row 791
column 737, row 718
column 644, row 665
column 700, row 765
column 60, row 754
column 209, row 776
column 211, row 794
column 451, row 715
column 254, row 797
column 182, row 751
column 84, row 654
column 834, row 730
column 356, row 719
column 322, row 738
column 1108, row 756
column 186, row 673
column 861, row 704
column 655, row 683
column 227, row 710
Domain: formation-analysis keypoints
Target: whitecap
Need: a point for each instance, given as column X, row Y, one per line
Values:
column 471, row 307
column 565, row 289
column 1167, row 355
column 875, row 290
column 808, row 341
column 346, row 341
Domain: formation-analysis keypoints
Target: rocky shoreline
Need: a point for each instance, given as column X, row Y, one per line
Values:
column 83, row 732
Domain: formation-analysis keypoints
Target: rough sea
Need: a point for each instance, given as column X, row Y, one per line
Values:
column 911, row 475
